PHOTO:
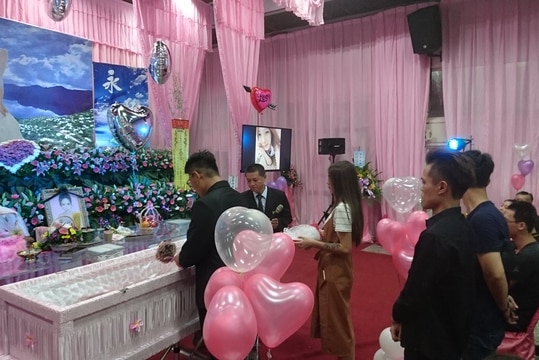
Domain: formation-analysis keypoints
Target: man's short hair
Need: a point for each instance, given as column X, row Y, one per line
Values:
column 483, row 167
column 452, row 168
column 524, row 212
column 202, row 161
column 256, row 168
column 525, row 193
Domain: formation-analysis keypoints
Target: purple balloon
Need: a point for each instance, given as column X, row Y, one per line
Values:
column 273, row 185
column 525, row 166
column 281, row 183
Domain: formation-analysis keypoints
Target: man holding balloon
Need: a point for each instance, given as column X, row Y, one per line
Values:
column 216, row 196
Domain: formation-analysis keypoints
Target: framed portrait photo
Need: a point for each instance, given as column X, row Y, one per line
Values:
column 66, row 206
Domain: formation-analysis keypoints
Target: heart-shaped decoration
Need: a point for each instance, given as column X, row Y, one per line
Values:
column 260, row 98
column 525, row 166
column 17, row 152
column 131, row 127
column 402, row 194
column 521, row 150
column 280, row 309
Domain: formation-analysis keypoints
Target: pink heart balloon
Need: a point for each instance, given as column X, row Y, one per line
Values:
column 278, row 258
column 249, row 249
column 525, row 166
column 229, row 329
column 219, row 279
column 517, row 181
column 402, row 194
column 260, row 98
column 415, row 225
column 280, row 309
column 391, row 234
column 402, row 260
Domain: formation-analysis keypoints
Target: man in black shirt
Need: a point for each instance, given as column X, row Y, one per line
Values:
column 431, row 316
column 524, row 279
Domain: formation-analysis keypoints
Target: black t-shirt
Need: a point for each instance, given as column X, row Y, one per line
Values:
column 525, row 286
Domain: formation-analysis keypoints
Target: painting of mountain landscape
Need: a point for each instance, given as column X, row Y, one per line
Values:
column 48, row 84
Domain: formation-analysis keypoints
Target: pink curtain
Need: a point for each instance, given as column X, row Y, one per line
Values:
column 324, row 83
column 239, row 26
column 110, row 25
column 490, row 75
column 186, row 29
column 311, row 11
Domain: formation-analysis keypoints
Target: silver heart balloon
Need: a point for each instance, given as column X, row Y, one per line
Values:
column 131, row 127
column 58, row 9
column 160, row 62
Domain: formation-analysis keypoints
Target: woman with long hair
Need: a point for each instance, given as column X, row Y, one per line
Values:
column 343, row 228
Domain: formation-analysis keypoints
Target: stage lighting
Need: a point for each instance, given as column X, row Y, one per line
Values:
column 458, row 144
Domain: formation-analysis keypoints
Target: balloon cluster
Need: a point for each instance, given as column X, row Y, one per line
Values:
column 525, row 166
column 399, row 239
column 246, row 298
column 389, row 349
column 130, row 127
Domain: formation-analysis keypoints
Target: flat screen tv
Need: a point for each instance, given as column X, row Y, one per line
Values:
column 266, row 145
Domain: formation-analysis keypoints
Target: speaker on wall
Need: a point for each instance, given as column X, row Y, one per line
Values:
column 331, row 146
column 426, row 30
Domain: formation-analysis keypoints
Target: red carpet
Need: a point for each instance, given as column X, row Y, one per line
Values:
column 376, row 286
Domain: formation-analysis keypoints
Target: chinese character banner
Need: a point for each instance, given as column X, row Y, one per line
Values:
column 116, row 84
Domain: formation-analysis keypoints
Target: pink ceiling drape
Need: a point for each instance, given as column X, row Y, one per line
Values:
column 325, row 83
column 186, row 29
column 110, row 25
column 311, row 11
column 239, row 26
column 490, row 76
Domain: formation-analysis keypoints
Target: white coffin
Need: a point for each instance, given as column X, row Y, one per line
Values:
column 86, row 312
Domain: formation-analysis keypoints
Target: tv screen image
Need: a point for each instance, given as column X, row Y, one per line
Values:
column 266, row 145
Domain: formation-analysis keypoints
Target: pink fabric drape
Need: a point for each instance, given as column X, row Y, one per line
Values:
column 401, row 88
column 186, row 29
column 490, row 75
column 323, row 81
column 110, row 25
column 311, row 11
column 239, row 26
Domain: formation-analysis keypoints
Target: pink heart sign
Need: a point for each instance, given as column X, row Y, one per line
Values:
column 260, row 98
column 15, row 153
column 402, row 194
column 525, row 166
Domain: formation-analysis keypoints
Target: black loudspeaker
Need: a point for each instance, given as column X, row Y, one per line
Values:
column 331, row 146
column 426, row 30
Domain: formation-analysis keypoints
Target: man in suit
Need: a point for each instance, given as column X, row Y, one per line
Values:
column 216, row 196
column 271, row 202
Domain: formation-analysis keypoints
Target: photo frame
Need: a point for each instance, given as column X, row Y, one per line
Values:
column 65, row 205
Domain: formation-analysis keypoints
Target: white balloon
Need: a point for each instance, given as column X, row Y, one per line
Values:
column 160, row 62
column 402, row 194
column 308, row 231
column 522, row 150
column 243, row 238
column 58, row 9
column 392, row 349
column 379, row 355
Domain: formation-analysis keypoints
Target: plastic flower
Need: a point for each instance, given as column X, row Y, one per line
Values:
column 292, row 177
